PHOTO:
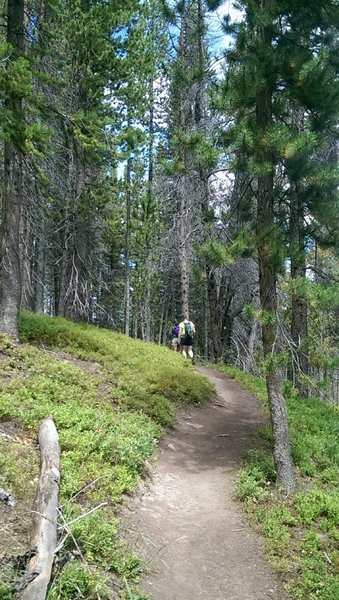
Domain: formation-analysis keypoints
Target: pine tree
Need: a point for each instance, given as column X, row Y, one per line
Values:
column 309, row 120
column 17, row 80
column 253, row 104
column 280, row 53
column 189, row 151
column 144, row 52
column 84, row 47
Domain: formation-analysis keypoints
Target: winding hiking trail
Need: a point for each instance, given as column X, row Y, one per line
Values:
column 186, row 524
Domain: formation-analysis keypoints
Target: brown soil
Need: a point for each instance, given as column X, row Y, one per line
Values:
column 15, row 521
column 186, row 523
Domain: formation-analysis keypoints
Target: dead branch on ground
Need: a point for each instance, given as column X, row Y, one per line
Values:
column 44, row 531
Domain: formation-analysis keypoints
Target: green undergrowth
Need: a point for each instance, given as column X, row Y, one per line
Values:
column 111, row 398
column 301, row 530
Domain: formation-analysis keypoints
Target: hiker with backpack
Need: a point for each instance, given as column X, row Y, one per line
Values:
column 175, row 337
column 186, row 337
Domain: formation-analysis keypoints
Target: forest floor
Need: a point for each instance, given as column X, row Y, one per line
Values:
column 185, row 522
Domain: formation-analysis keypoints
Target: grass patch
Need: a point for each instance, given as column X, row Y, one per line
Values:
column 110, row 397
column 76, row 581
column 301, row 530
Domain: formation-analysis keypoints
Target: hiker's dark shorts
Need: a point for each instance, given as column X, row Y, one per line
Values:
column 186, row 340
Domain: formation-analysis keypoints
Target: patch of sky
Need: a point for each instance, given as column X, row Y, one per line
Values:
column 218, row 40
column 31, row 28
column 216, row 22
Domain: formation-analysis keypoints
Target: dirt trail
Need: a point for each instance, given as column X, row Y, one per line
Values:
column 186, row 524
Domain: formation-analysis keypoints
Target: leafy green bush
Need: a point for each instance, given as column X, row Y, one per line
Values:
column 318, row 503
column 250, row 483
column 262, row 460
column 318, row 578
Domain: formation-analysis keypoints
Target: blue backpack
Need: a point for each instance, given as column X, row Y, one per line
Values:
column 175, row 331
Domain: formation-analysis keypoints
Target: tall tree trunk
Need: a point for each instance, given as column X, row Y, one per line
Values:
column 206, row 321
column 164, row 329
column 79, row 298
column 32, row 267
column 27, row 263
column 183, row 185
column 268, row 269
column 148, row 286
column 299, row 316
column 39, row 275
column 192, row 109
column 214, row 306
column 249, row 360
column 184, row 267
column 61, row 276
column 148, row 296
column 162, row 324
column 187, row 59
column 136, row 323
column 127, row 246
column 10, row 267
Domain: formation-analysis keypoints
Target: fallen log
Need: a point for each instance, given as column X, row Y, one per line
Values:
column 44, row 530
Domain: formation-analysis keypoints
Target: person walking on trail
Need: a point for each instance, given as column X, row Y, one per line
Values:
column 175, row 337
column 186, row 337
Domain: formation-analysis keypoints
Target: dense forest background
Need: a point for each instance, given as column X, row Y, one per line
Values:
column 163, row 158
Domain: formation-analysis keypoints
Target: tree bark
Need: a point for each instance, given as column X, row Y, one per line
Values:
column 27, row 261
column 299, row 316
column 214, row 306
column 44, row 533
column 148, row 296
column 183, row 186
column 249, row 360
column 206, row 321
column 39, row 273
column 184, row 270
column 148, row 264
column 127, row 246
column 266, row 245
column 162, row 323
column 10, row 267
